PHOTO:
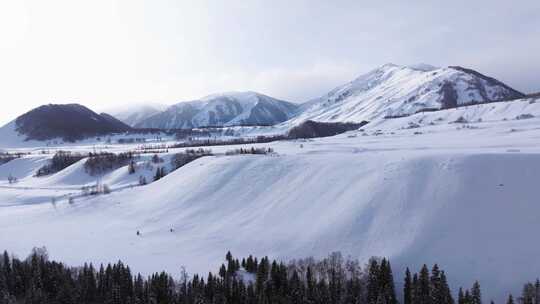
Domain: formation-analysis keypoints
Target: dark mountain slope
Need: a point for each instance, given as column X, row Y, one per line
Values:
column 67, row 121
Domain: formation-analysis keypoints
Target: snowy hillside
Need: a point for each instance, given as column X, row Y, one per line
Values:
column 227, row 109
column 393, row 90
column 526, row 110
column 414, row 195
column 134, row 114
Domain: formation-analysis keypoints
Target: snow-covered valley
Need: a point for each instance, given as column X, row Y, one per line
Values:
column 426, row 188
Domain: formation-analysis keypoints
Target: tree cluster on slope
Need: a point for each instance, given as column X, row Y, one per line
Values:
column 181, row 159
column 7, row 157
column 100, row 163
column 252, row 150
column 313, row 129
column 60, row 161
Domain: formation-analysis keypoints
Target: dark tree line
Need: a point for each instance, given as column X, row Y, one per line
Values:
column 100, row 163
column 183, row 158
column 7, row 157
column 249, row 280
column 251, row 150
column 313, row 129
column 427, row 287
column 227, row 142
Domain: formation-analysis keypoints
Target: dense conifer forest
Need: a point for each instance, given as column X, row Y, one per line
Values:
column 334, row 279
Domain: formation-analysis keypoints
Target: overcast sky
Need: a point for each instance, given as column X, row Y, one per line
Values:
column 109, row 53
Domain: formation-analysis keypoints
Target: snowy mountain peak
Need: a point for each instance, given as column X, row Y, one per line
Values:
column 393, row 90
column 223, row 109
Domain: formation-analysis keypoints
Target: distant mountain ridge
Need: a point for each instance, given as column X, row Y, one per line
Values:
column 225, row 109
column 388, row 91
column 393, row 90
column 133, row 114
column 67, row 121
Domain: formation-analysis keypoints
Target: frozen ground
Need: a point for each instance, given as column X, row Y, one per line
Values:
column 464, row 195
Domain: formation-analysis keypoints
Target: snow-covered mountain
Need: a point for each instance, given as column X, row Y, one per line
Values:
column 393, row 90
column 226, row 109
column 69, row 122
column 136, row 113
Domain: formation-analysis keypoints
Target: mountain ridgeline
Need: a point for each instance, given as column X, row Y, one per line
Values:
column 392, row 91
column 70, row 122
column 386, row 92
column 228, row 109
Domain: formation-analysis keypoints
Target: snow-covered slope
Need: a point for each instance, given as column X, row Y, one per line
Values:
column 393, row 90
column 416, row 198
column 134, row 114
column 227, row 109
column 473, row 116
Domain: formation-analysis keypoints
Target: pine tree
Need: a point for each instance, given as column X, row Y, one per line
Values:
column 510, row 299
column 386, row 281
column 529, row 294
column 373, row 282
column 415, row 290
column 407, row 287
column 7, row 272
column 311, row 285
column 467, row 298
column 4, row 293
column 537, row 292
column 476, row 295
column 436, row 292
column 461, row 296
column 296, row 289
column 424, row 286
column 445, row 290
column 262, row 275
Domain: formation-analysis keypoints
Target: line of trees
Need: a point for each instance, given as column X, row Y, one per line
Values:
column 183, row 158
column 249, row 280
column 227, row 142
column 7, row 157
column 252, row 150
column 100, row 163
